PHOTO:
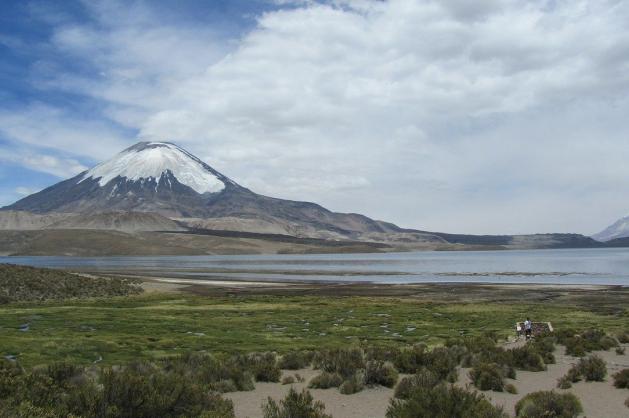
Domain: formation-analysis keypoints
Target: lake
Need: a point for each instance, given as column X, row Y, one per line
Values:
column 602, row 266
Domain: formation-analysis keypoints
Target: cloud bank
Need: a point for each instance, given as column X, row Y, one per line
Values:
column 501, row 117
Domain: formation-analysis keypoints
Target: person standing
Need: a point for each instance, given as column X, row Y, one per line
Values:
column 527, row 328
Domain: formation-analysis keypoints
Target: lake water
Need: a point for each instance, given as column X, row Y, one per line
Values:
column 602, row 266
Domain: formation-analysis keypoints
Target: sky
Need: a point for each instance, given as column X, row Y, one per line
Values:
column 486, row 117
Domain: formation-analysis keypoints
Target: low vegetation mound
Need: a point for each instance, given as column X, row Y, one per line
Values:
column 443, row 400
column 295, row 405
column 621, row 379
column 488, row 376
column 21, row 283
column 544, row 404
column 591, row 368
column 139, row 390
column 578, row 344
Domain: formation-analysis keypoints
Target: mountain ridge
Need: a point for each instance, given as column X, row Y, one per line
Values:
column 159, row 186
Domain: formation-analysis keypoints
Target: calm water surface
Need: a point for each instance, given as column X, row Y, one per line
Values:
column 570, row 266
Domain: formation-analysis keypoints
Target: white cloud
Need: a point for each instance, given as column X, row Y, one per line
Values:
column 504, row 116
column 61, row 167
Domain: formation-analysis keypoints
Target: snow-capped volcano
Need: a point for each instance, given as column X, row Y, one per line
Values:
column 162, row 178
column 150, row 161
column 155, row 177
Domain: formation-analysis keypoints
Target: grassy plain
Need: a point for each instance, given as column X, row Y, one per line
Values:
column 116, row 330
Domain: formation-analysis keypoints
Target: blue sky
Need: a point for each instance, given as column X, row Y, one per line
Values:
column 498, row 117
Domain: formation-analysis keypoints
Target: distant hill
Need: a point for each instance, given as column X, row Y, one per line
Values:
column 21, row 283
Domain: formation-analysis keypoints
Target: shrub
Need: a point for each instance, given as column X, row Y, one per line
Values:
column 620, row 351
column 264, row 367
column 575, row 347
column 325, row 380
column 411, row 359
column 424, row 378
column 295, row 405
column 443, row 361
column 222, row 375
column 380, row 373
column 353, row 385
column 589, row 340
column 564, row 382
column 621, row 379
column 10, row 375
column 510, row 388
column 544, row 404
column 487, row 376
column 295, row 360
column 223, row 386
column 607, row 342
column 344, row 361
column 141, row 391
column 381, row 353
column 443, row 401
column 528, row 358
column 288, row 380
column 623, row 337
column 593, row 368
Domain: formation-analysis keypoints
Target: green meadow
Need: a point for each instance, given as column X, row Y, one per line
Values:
column 115, row 330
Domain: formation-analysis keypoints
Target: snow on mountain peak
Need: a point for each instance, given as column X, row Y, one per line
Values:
column 619, row 229
column 146, row 160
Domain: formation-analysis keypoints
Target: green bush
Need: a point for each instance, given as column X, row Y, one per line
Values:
column 344, row 361
column 548, row 404
column 10, row 375
column 620, row 350
column 264, row 367
column 593, row 368
column 227, row 374
column 353, row 385
column 623, row 337
column 487, row 376
column 378, row 372
column 140, row 391
column 621, row 379
column 410, row 360
column 578, row 344
column 564, row 382
column 295, row 405
column 295, row 360
column 443, row 401
column 381, row 353
column 424, row 378
column 510, row 388
column 443, row 361
column 528, row 358
column 326, row 380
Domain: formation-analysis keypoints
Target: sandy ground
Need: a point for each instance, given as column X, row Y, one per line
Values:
column 599, row 399
column 170, row 285
column 370, row 403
